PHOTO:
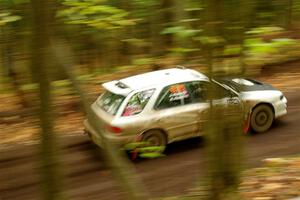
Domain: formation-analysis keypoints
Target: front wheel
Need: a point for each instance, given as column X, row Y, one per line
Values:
column 262, row 118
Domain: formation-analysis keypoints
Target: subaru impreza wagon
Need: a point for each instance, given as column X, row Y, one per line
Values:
column 169, row 105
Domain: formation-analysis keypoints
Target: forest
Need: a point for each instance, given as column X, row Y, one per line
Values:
column 55, row 54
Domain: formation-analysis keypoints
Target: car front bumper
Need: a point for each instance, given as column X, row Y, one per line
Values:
column 280, row 108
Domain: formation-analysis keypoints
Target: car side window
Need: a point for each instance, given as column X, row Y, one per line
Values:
column 221, row 92
column 137, row 102
column 172, row 96
column 198, row 91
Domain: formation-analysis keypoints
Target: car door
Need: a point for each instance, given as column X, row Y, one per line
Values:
column 178, row 112
column 225, row 97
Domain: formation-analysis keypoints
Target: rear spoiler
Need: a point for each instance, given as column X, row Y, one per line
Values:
column 117, row 87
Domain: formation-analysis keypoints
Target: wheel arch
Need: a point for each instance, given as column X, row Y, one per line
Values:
column 263, row 103
column 155, row 129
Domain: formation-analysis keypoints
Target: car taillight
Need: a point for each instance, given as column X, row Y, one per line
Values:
column 114, row 129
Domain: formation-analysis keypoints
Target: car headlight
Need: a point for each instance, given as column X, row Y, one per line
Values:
column 283, row 99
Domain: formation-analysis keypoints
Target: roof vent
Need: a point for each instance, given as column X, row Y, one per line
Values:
column 180, row 67
column 121, row 85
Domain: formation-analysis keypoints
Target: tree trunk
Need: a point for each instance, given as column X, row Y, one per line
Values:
column 289, row 14
column 167, row 19
column 8, row 64
column 122, row 168
column 223, row 130
column 40, row 67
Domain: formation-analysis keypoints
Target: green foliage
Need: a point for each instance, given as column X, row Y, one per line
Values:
column 211, row 41
column 151, row 155
column 232, row 50
column 150, row 149
column 180, row 31
column 280, row 42
column 258, row 46
column 137, row 42
column 193, row 9
column 94, row 13
column 264, row 30
column 8, row 9
column 7, row 17
column 252, row 42
column 144, row 150
column 141, row 10
column 143, row 61
column 86, row 78
column 29, row 87
column 181, row 50
column 172, row 30
column 14, row 2
column 61, row 83
column 133, row 145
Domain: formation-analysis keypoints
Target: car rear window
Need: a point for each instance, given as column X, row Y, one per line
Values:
column 110, row 102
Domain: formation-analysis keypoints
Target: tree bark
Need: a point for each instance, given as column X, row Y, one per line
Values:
column 51, row 189
column 223, row 130
column 122, row 168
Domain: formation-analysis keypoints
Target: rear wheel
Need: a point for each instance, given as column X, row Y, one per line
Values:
column 155, row 138
column 152, row 138
column 262, row 118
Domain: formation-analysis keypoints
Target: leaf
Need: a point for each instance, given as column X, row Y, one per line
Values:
column 143, row 61
column 264, row 48
column 183, row 50
column 190, row 20
column 29, row 87
column 211, row 40
column 284, row 41
column 8, row 18
column 124, row 22
column 180, row 31
column 188, row 33
column 232, row 50
column 4, row 14
column 172, row 30
column 193, row 9
column 151, row 155
column 264, row 30
column 134, row 145
column 151, row 149
column 94, row 14
column 252, row 42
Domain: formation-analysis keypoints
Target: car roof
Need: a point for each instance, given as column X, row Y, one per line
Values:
column 153, row 79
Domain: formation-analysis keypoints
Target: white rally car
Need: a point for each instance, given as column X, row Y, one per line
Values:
column 168, row 105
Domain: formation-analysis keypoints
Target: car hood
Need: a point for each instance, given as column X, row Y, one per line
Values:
column 246, row 85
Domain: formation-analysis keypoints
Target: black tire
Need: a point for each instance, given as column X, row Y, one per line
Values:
column 155, row 138
column 262, row 118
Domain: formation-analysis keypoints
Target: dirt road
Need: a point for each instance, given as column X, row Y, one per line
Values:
column 86, row 177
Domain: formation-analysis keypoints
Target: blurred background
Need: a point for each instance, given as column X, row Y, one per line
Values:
column 118, row 38
column 45, row 44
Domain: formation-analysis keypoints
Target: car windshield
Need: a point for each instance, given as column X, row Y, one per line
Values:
column 110, row 102
column 230, row 84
